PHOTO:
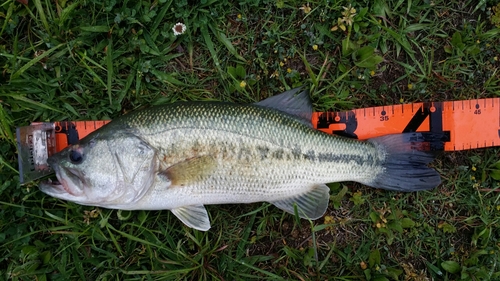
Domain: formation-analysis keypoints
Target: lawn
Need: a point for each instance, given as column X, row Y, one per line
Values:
column 98, row 59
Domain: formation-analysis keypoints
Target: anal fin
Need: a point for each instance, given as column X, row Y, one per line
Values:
column 310, row 205
column 194, row 216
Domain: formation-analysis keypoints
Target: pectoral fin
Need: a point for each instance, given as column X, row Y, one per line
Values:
column 311, row 205
column 194, row 216
column 191, row 170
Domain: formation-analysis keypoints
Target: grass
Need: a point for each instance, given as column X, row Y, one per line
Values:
column 97, row 59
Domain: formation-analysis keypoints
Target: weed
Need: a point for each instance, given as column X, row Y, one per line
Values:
column 98, row 59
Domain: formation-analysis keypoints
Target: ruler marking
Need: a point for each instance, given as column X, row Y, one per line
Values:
column 417, row 119
column 436, row 125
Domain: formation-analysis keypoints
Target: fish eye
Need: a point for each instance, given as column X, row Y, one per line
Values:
column 75, row 157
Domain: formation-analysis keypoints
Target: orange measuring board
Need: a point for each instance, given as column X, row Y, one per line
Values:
column 467, row 124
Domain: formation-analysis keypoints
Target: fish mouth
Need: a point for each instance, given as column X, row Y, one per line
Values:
column 68, row 182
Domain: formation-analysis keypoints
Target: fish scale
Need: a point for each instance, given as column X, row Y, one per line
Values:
column 265, row 128
column 190, row 154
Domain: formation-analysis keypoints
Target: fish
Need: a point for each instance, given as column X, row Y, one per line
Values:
column 185, row 155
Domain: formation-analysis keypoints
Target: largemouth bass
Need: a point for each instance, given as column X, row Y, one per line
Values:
column 185, row 155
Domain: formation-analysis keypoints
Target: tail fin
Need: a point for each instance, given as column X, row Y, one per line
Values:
column 405, row 165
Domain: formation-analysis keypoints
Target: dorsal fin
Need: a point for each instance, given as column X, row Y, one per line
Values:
column 295, row 102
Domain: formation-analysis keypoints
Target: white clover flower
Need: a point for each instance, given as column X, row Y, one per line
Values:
column 179, row 28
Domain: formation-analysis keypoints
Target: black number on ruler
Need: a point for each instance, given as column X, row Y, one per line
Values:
column 69, row 128
column 383, row 116
column 435, row 123
column 478, row 110
column 347, row 118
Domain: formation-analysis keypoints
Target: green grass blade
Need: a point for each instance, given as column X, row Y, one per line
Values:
column 95, row 28
column 7, row 17
column 161, row 15
column 109, row 64
column 266, row 273
column 43, row 18
column 312, row 76
column 35, row 104
column 32, row 62
column 225, row 41
column 211, row 49
column 5, row 126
